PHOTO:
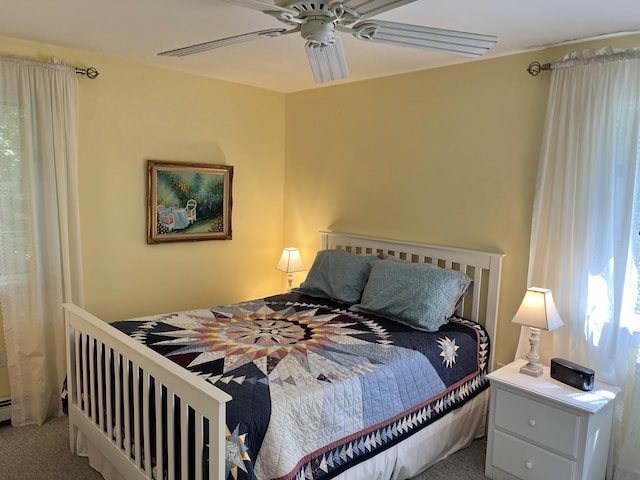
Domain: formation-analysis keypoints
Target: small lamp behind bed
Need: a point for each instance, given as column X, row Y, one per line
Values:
column 538, row 312
column 290, row 262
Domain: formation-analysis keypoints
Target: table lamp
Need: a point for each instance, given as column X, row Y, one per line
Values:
column 538, row 312
column 290, row 262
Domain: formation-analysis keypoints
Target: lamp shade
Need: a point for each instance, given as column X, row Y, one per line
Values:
column 538, row 310
column 291, row 261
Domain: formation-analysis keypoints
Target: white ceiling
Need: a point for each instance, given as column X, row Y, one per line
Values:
column 136, row 30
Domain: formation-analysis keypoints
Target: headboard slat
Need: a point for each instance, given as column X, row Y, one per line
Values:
column 484, row 268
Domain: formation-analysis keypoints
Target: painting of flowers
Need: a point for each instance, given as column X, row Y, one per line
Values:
column 188, row 201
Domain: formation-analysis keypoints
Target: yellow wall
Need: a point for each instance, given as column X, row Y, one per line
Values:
column 132, row 113
column 445, row 156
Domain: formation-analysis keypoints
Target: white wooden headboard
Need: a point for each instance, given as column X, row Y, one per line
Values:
column 480, row 304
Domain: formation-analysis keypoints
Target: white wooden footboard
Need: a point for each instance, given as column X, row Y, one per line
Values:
column 116, row 390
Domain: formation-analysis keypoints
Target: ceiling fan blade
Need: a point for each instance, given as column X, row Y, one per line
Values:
column 262, row 6
column 327, row 61
column 369, row 8
column 414, row 36
column 223, row 42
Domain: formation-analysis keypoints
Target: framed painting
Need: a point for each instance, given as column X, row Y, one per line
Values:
column 188, row 202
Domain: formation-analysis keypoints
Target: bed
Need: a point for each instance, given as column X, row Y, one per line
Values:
column 386, row 397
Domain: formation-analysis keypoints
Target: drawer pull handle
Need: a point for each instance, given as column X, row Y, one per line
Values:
column 532, row 422
column 528, row 464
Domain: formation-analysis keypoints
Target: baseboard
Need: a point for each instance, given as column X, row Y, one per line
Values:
column 5, row 409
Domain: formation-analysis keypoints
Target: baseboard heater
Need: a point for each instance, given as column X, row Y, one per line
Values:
column 5, row 409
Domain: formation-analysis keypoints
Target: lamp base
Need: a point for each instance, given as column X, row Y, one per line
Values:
column 532, row 369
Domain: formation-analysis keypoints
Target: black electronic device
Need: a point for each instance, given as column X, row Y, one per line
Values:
column 571, row 373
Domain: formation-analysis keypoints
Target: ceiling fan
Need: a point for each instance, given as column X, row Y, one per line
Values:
column 318, row 20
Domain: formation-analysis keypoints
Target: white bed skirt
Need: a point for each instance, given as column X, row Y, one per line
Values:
column 451, row 433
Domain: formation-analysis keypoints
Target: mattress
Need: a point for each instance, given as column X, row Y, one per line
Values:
column 317, row 388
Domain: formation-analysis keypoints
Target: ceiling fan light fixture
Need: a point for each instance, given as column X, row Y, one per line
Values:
column 327, row 60
column 318, row 30
column 415, row 36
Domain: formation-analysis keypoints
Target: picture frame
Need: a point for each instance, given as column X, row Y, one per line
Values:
column 188, row 201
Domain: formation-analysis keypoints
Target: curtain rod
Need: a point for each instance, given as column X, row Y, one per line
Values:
column 90, row 72
column 535, row 68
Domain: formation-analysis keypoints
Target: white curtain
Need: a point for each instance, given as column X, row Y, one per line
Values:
column 585, row 240
column 40, row 265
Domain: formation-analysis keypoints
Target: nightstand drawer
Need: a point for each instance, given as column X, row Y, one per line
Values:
column 550, row 427
column 527, row 461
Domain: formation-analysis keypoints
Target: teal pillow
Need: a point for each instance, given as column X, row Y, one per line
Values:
column 337, row 275
column 422, row 296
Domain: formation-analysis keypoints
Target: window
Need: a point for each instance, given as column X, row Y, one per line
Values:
column 12, row 173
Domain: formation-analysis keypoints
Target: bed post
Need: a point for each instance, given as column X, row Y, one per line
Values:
column 70, row 380
column 491, row 322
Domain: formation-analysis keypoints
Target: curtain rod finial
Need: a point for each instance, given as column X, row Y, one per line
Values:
column 535, row 68
column 90, row 72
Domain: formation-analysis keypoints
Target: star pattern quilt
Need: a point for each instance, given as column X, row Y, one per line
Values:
column 317, row 388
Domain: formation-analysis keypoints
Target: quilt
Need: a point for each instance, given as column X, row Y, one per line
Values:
column 317, row 388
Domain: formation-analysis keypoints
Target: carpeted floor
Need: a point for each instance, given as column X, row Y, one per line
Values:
column 35, row 453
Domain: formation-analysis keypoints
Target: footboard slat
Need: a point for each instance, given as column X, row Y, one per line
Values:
column 108, row 353
column 118, row 399
column 126, row 426
column 137, row 443
column 87, row 371
column 159, row 430
column 184, row 448
column 123, row 397
column 199, row 446
column 74, row 395
column 100, row 406
column 171, row 435
column 146, row 421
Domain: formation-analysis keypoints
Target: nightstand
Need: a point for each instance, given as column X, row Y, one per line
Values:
column 542, row 429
